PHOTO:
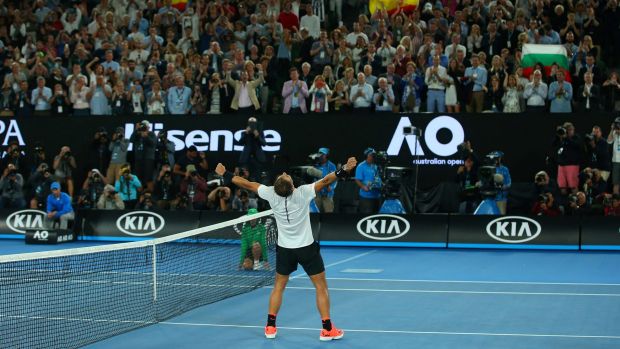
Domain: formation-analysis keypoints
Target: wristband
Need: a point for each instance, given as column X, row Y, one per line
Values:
column 341, row 173
column 228, row 177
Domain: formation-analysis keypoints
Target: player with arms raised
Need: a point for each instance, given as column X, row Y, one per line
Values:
column 296, row 245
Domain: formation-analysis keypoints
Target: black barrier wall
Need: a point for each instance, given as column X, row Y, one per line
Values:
column 381, row 230
column 524, row 138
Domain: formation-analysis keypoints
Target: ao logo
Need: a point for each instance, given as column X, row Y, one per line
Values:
column 140, row 223
column 23, row 220
column 41, row 235
column 430, row 137
column 383, row 227
column 513, row 229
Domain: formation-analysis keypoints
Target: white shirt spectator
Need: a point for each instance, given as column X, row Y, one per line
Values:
column 365, row 99
column 436, row 82
column 244, row 97
column 535, row 95
column 313, row 24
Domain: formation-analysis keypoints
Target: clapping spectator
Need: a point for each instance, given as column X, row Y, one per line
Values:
column 79, row 98
column 361, row 94
column 295, row 92
column 320, row 92
column 560, row 94
column 589, row 94
column 535, row 93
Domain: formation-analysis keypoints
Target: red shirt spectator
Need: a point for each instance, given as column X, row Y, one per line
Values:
column 288, row 19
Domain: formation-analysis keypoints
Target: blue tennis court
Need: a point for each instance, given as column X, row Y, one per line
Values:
column 395, row 297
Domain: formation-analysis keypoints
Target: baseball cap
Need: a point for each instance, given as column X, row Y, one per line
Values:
column 252, row 211
column 324, row 151
column 190, row 168
column 145, row 123
column 369, row 150
column 55, row 185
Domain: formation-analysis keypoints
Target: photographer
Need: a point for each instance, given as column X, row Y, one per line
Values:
column 165, row 190
column 591, row 184
column 14, row 157
column 611, row 205
column 614, row 139
column 39, row 184
column 598, row 153
column 164, row 151
column 110, row 200
column 467, row 177
column 252, row 140
column 545, row 206
column 144, row 142
column 64, row 165
column 569, row 151
column 578, row 205
column 99, row 156
column 242, row 201
column 145, row 203
column 191, row 157
column 544, row 184
column 219, row 199
column 118, row 154
column 325, row 198
column 195, row 188
column 92, row 188
column 38, row 157
column 11, row 193
column 368, row 179
column 128, row 186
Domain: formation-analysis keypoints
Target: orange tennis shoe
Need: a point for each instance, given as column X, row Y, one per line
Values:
column 271, row 331
column 333, row 334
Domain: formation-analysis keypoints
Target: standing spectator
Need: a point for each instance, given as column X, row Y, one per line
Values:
column 252, row 140
column 294, row 93
column 11, row 189
column 311, row 22
column 119, row 101
column 144, row 142
column 321, row 52
column 79, row 98
column 339, row 99
column 156, row 100
column 58, row 208
column 476, row 78
column 136, row 96
column 287, row 18
column 99, row 96
column 178, row 97
column 110, row 199
column 59, row 101
column 361, row 94
column 320, row 92
column 325, row 198
column 40, row 98
column 368, row 179
column 23, row 104
column 128, row 185
column 614, row 139
column 198, row 102
column 560, row 94
column 589, row 94
column 569, row 150
column 384, row 97
column 611, row 92
column 599, row 154
column 118, row 154
column 493, row 96
column 245, row 100
column 436, row 79
column 535, row 93
column 64, row 165
column 512, row 95
column 412, row 85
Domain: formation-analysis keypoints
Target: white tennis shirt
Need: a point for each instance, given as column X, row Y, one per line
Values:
column 292, row 215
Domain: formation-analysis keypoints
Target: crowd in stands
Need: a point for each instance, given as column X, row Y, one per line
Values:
column 121, row 57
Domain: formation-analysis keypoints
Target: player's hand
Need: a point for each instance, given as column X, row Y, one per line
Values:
column 220, row 169
column 351, row 163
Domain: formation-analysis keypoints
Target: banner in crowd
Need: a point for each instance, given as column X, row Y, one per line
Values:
column 430, row 141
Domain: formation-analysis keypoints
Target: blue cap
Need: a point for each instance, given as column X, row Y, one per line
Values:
column 324, row 151
column 497, row 154
column 369, row 151
column 55, row 185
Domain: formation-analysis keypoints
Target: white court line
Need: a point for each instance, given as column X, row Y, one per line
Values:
column 303, row 274
column 169, row 323
column 460, row 292
column 474, row 282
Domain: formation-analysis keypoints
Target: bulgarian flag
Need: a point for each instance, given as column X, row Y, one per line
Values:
column 391, row 5
column 546, row 55
column 179, row 4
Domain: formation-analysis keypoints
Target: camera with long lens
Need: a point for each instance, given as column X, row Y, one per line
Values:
column 543, row 199
column 389, row 179
column 67, row 155
column 540, row 179
column 573, row 199
column 490, row 183
column 560, row 131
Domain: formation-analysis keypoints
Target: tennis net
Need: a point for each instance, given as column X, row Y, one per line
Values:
column 70, row 298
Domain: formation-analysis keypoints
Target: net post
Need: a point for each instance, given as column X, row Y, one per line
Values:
column 154, row 272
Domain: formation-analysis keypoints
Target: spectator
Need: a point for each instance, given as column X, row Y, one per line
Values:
column 436, row 78
column 294, row 93
column 339, row 99
column 368, row 179
column 165, row 190
column 321, row 52
column 245, row 100
column 11, row 189
column 191, row 157
column 194, row 187
column 242, row 201
column 412, row 84
column 545, row 205
column 384, row 97
column 311, row 22
column 64, row 165
column 198, row 102
column 110, row 200
column 79, row 98
column 325, row 198
column 156, row 100
column 128, row 185
column 178, row 97
column 23, row 104
column 41, row 96
column 99, row 97
column 361, row 94
column 252, row 140
column 614, row 139
column 589, row 94
column 59, row 101
column 144, row 142
column 535, row 93
column 598, row 153
column 569, row 149
column 59, row 208
column 493, row 96
column 512, row 95
column 560, row 94
column 475, row 78
column 136, row 96
column 320, row 92
column 611, row 93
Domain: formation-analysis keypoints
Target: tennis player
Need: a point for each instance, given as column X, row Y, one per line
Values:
column 296, row 245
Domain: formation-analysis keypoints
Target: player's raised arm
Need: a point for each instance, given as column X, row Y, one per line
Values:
column 236, row 180
column 334, row 176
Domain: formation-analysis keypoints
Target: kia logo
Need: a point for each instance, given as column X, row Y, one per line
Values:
column 513, row 229
column 383, row 227
column 140, row 223
column 23, row 220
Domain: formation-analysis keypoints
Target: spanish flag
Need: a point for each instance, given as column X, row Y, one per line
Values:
column 179, row 4
column 391, row 5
